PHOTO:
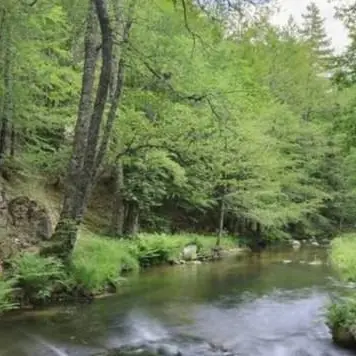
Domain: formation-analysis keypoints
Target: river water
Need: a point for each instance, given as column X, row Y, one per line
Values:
column 269, row 305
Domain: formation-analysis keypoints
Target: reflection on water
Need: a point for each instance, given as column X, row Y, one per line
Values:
column 251, row 306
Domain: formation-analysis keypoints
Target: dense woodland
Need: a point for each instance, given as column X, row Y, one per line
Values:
column 196, row 116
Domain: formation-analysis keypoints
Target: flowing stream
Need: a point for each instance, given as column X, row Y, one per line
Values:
column 269, row 305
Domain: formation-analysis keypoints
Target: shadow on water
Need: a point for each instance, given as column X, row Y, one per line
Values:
column 267, row 304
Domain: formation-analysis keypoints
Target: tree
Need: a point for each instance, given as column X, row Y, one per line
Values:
column 88, row 150
column 314, row 34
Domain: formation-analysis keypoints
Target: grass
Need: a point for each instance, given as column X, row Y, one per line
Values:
column 343, row 256
column 99, row 260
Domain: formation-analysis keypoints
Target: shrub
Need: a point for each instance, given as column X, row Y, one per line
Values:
column 342, row 314
column 38, row 276
column 160, row 248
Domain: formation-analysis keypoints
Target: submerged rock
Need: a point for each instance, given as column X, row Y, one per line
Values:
column 145, row 350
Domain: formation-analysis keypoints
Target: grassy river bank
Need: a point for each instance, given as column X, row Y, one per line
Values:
column 99, row 265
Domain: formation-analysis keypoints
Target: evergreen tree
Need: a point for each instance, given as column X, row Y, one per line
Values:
column 313, row 32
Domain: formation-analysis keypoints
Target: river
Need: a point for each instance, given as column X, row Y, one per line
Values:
column 269, row 305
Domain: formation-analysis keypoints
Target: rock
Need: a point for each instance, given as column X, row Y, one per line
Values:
column 190, row 252
column 296, row 244
column 315, row 263
column 287, row 261
column 145, row 350
column 315, row 243
column 168, row 350
column 29, row 217
column 343, row 337
column 194, row 262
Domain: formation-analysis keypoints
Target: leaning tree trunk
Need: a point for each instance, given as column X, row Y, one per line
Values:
column 118, row 208
column 88, row 151
column 83, row 165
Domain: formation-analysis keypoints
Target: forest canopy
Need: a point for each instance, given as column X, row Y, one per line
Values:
column 190, row 116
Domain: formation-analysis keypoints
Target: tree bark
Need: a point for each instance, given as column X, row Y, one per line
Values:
column 221, row 221
column 118, row 208
column 7, row 110
column 132, row 219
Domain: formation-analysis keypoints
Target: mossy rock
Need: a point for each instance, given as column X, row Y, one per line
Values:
column 343, row 337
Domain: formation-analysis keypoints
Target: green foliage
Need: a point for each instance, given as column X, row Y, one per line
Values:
column 245, row 118
column 6, row 295
column 343, row 256
column 162, row 248
column 342, row 314
column 38, row 277
column 99, row 261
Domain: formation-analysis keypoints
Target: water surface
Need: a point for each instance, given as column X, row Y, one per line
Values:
column 268, row 305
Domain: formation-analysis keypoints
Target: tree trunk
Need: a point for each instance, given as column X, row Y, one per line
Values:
column 12, row 141
column 7, row 110
column 132, row 219
column 221, row 221
column 81, row 173
column 118, row 209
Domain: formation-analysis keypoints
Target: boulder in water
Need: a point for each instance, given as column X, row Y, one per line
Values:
column 296, row 244
column 144, row 350
column 343, row 337
column 190, row 252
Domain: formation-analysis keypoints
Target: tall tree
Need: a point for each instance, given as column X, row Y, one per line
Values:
column 314, row 33
column 88, row 147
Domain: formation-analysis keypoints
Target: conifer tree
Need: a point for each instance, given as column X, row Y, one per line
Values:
column 314, row 33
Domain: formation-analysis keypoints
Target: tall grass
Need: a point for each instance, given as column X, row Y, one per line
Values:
column 99, row 261
column 343, row 256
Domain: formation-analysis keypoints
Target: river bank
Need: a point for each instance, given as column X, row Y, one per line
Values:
column 342, row 311
column 241, row 306
column 99, row 266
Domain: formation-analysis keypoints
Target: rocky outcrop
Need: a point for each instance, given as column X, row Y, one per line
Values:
column 24, row 223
